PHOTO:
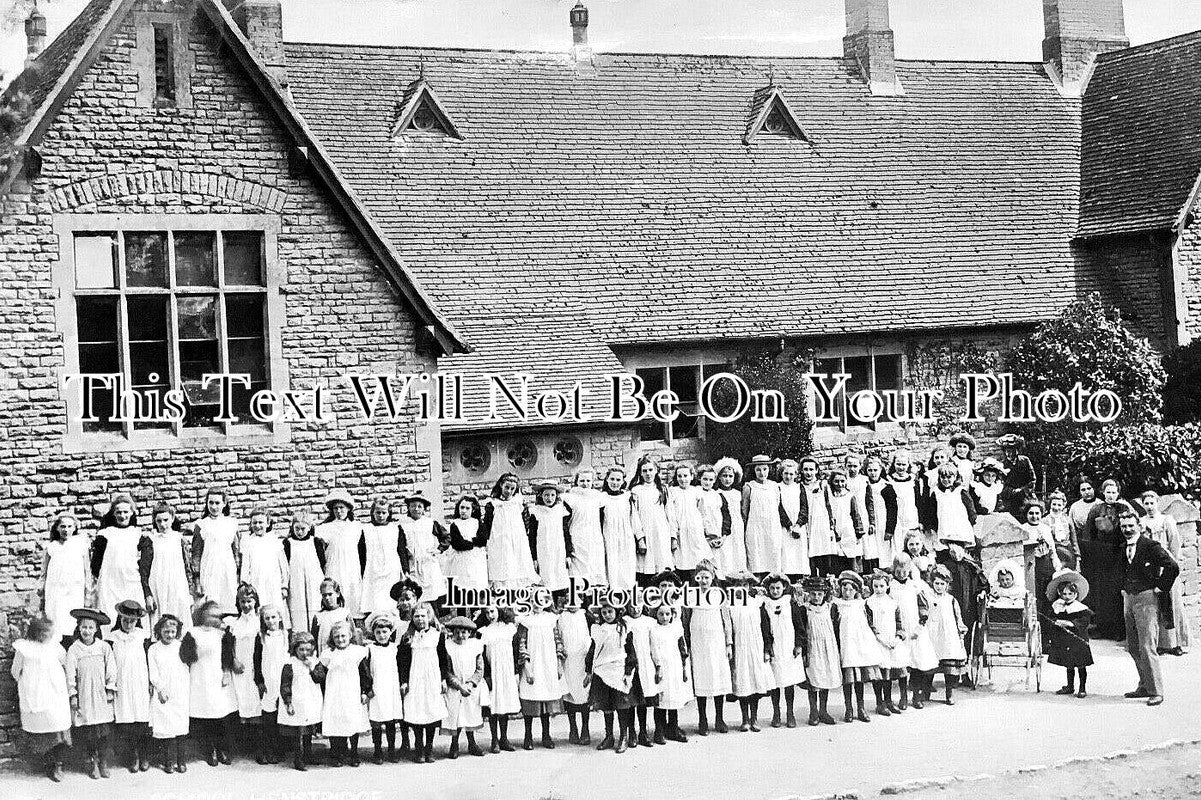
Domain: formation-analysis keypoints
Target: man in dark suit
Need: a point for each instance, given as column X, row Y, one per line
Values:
column 1148, row 574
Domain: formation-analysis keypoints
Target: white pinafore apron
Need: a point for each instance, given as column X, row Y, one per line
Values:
column 424, row 704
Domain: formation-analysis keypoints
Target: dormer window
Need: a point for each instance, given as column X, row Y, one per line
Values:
column 424, row 118
column 162, row 60
column 771, row 114
column 421, row 112
column 775, row 122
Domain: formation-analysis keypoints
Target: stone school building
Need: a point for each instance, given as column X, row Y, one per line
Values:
column 182, row 192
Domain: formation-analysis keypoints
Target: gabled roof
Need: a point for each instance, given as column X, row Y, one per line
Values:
column 766, row 100
column 1141, row 149
column 75, row 50
column 419, row 93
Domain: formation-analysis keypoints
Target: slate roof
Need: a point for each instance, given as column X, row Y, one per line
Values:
column 1141, row 149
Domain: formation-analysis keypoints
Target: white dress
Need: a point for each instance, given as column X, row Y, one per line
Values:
column 788, row 669
column 344, row 712
column 857, row 645
column 919, row 651
column 944, row 628
column 875, row 522
column 843, row 508
column 245, row 629
column 818, row 530
column 620, row 529
column 169, row 675
column 884, row 620
column 498, row 649
column 132, row 703
column 640, row 632
column 465, row 712
column 752, row 673
column 324, row 622
column 707, row 640
column 67, row 569
column 265, row 567
column 169, row 579
column 385, row 704
column 587, row 542
column 218, row 570
column 304, row 583
column 40, row 670
column 425, row 704
column 794, row 548
column 424, row 565
column 675, row 690
column 510, row 564
column 119, row 578
column 954, row 525
column 468, row 568
column 542, row 659
column 341, row 538
column 208, row 698
column 907, row 520
column 730, row 556
column 382, row 569
column 656, row 530
column 551, row 545
column 274, row 645
column 684, row 511
column 307, row 701
column 824, row 670
column 573, row 630
column 764, row 534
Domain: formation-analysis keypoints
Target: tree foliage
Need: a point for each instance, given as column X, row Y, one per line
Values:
column 937, row 366
column 1166, row 458
column 743, row 438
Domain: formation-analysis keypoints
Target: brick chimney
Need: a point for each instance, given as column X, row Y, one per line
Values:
column 579, row 33
column 35, row 34
column 1076, row 32
column 262, row 21
column 869, row 42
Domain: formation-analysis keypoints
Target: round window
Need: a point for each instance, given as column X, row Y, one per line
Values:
column 475, row 458
column 775, row 122
column 523, row 454
column 569, row 451
column 424, row 119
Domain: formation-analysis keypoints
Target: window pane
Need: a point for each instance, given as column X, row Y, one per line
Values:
column 198, row 317
column 164, row 65
column 246, row 356
column 685, row 426
column 859, row 369
column 196, row 258
column 95, row 260
column 244, row 315
column 243, row 258
column 146, row 259
column 684, row 383
column 653, row 379
column 96, row 318
column 831, row 367
column 888, row 376
column 716, row 369
column 199, row 356
column 147, row 318
column 149, row 364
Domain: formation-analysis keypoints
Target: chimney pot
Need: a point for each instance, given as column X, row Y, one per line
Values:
column 1076, row 32
column 579, row 25
column 869, row 41
column 35, row 34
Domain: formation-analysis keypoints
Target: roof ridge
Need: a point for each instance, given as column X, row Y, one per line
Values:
column 1139, row 49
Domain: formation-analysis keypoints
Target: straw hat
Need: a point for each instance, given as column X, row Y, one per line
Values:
column 338, row 496
column 95, row 614
column 1067, row 576
column 460, row 622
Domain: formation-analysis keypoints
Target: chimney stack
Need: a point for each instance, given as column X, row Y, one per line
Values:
column 869, row 41
column 35, row 34
column 1076, row 32
column 579, row 32
column 262, row 22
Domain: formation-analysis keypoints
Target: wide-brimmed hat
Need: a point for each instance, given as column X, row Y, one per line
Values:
column 726, row 461
column 377, row 618
column 418, row 497
column 400, row 586
column 130, row 608
column 705, row 565
column 815, row 583
column 459, row 622
column 852, row 576
column 763, row 461
column 963, row 438
column 1067, row 576
column 94, row 614
column 1005, row 565
column 338, row 496
column 741, row 578
column 1011, row 440
column 541, row 486
column 993, row 464
column 775, row 577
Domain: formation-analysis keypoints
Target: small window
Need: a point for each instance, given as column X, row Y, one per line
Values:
column 164, row 65
column 569, row 451
column 475, row 458
column 877, row 372
column 775, row 122
column 523, row 455
column 685, row 381
column 425, row 119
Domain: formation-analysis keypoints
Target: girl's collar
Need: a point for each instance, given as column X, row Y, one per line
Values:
column 1074, row 607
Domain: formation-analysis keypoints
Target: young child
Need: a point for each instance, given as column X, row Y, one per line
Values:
column 884, row 613
column 379, row 546
column 306, row 570
column 671, row 654
column 264, row 564
column 794, row 545
column 761, row 511
column 962, row 444
column 422, row 665
column 1005, row 591
column 131, row 705
column 611, row 663
column 646, row 686
column 1040, row 543
column 986, row 490
column 711, row 504
column 208, row 650
column 658, row 541
column 549, row 522
column 464, row 685
column 92, row 687
column 422, row 541
column 341, row 537
column 709, row 635
column 498, row 633
column 540, row 665
column 214, row 551
column 467, row 564
column 386, row 707
column 169, row 582
column 917, row 554
column 300, row 699
column 787, row 662
column 583, row 500
column 1067, row 545
column 573, row 630
column 901, row 502
column 66, row 575
column 504, row 530
column 858, row 649
column 877, row 548
column 169, row 690
column 40, row 670
column 344, row 671
column 819, row 639
column 946, row 632
column 846, row 523
column 121, row 555
column 752, row 674
column 684, row 510
column 953, row 514
column 621, row 530
column 1068, row 644
column 270, row 655
column 913, row 603
column 1173, row 629
column 730, row 556
column 333, row 610
column 245, row 629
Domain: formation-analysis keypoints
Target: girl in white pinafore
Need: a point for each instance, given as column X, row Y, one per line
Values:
column 347, row 689
column 131, row 707
column 305, row 553
column 894, row 655
column 730, row 555
column 270, row 655
column 548, row 525
column 857, row 646
column 341, row 537
column 510, row 565
column 300, row 700
column 761, row 509
column 120, row 553
column 245, row 629
column 787, row 660
column 208, row 650
column 423, row 664
column 794, row 544
column 169, row 694
column 675, row 692
column 466, row 693
column 39, row 669
column 587, row 541
column 498, row 633
column 422, row 541
column 66, row 571
column 912, row 596
column 900, row 502
column 650, row 503
column 264, row 565
column 707, row 630
column 214, row 541
column 819, row 531
column 467, row 559
column 169, row 587
column 646, row 686
column 381, row 570
column 846, row 521
column 386, row 706
column 877, row 549
column 752, row 649
column 946, row 631
column 573, row 631
column 684, row 510
column 540, row 670
column 621, row 530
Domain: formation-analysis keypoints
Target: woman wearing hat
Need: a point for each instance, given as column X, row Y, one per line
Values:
column 1068, row 644
column 1102, row 561
column 422, row 541
column 341, row 537
column 121, row 556
column 761, row 510
column 1019, row 474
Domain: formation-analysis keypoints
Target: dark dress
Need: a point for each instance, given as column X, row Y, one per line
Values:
column 1019, row 485
column 1101, row 557
column 1069, row 647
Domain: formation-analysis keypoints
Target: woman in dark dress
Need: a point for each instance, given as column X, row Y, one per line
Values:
column 1019, row 475
column 1068, row 644
column 1101, row 554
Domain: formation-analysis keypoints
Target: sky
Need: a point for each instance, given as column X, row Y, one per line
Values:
column 951, row 29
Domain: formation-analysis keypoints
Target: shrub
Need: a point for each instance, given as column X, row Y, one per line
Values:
column 742, row 439
column 1166, row 458
column 1182, row 391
